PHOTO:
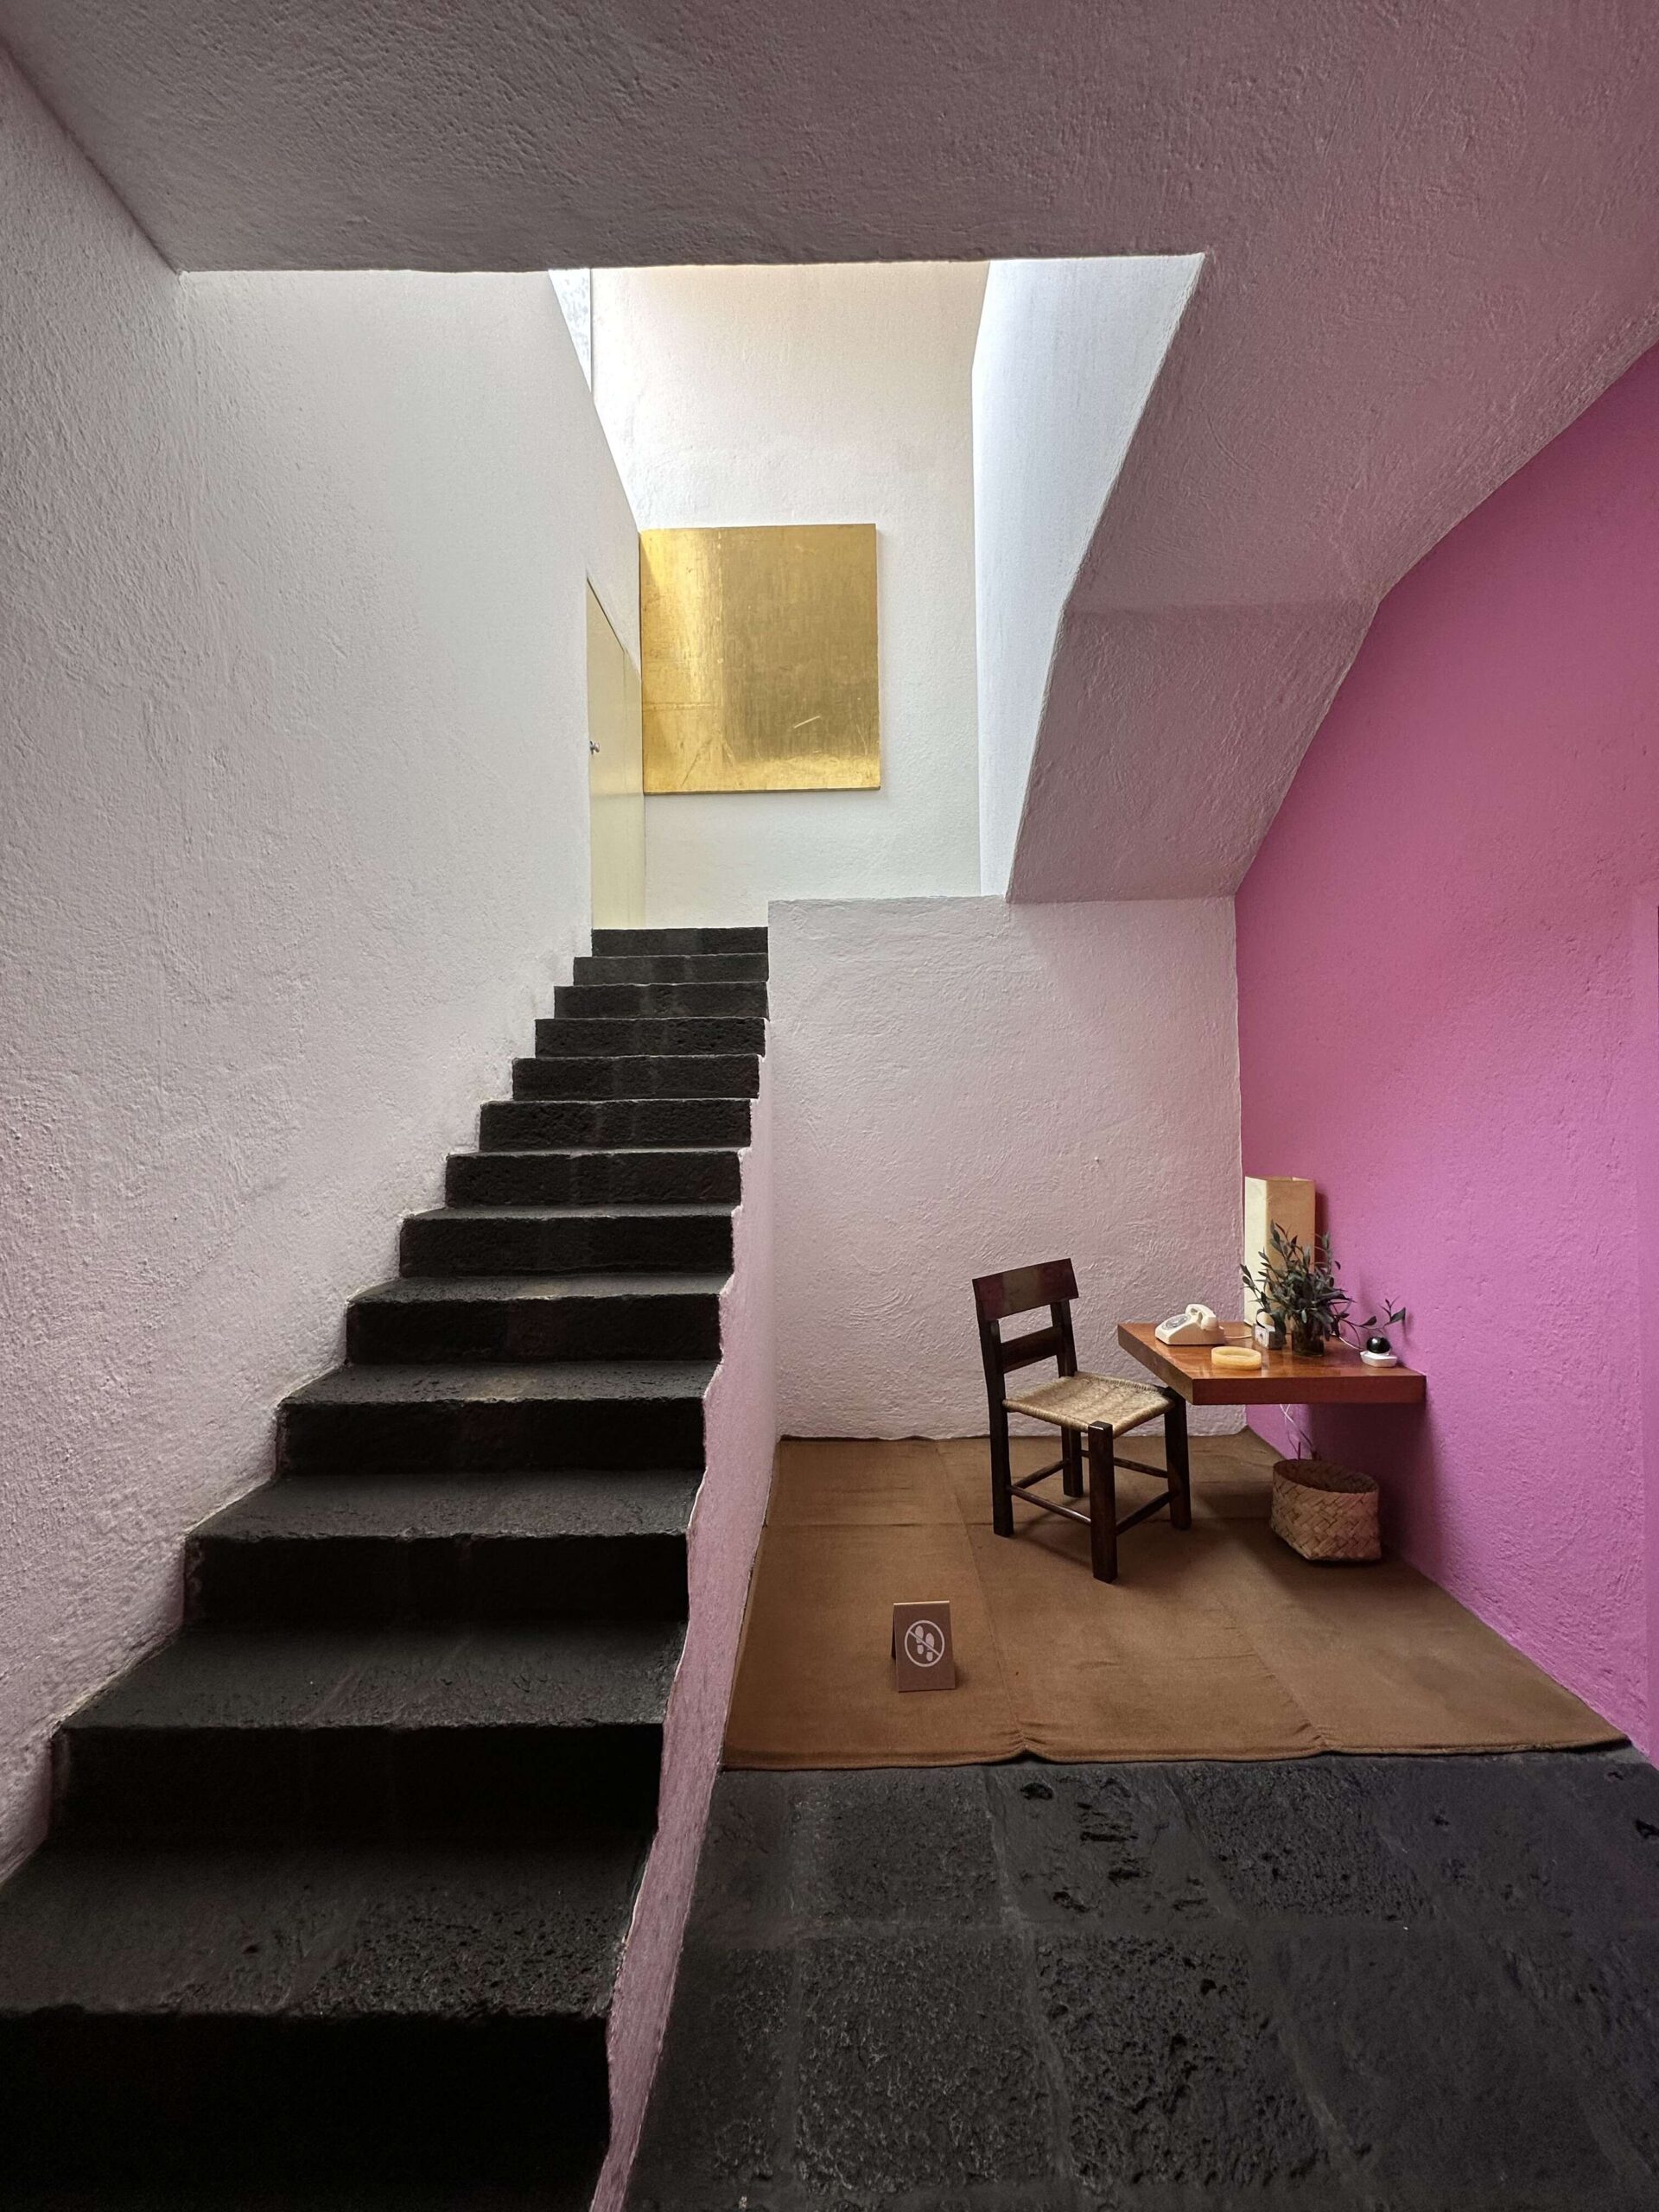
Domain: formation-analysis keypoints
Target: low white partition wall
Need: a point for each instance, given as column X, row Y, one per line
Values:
column 961, row 1086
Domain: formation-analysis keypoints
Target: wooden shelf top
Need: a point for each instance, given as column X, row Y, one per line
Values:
column 1339, row 1377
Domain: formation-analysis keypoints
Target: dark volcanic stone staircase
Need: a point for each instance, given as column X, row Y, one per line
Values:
column 336, row 1884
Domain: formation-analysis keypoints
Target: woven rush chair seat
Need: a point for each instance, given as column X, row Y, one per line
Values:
column 1089, row 1401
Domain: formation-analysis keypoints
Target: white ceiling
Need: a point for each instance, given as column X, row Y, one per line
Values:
column 1431, row 231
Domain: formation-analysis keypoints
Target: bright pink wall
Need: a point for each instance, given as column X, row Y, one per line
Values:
column 1449, row 1017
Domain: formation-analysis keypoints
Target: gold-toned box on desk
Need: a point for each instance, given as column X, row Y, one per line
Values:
column 1284, row 1202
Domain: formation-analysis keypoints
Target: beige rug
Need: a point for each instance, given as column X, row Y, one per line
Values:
column 1215, row 1644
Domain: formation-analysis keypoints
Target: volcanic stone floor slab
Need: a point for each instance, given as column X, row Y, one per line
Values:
column 1333, row 1985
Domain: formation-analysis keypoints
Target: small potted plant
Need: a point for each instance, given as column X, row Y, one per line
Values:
column 1296, row 1286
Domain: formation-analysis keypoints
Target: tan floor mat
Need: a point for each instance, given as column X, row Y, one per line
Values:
column 1215, row 1644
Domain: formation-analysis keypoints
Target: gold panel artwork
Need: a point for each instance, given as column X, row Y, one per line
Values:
column 758, row 659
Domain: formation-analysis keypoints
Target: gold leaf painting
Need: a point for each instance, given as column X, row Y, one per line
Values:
column 758, row 659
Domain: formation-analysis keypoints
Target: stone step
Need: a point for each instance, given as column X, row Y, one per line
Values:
column 658, row 1075
column 506, row 1730
column 505, row 1317
column 643, row 1175
column 637, row 1001
column 548, row 1124
column 610, row 944
column 671, row 967
column 479, row 1418
column 502, row 1240
column 364, row 1548
column 337, row 2027
column 565, row 1039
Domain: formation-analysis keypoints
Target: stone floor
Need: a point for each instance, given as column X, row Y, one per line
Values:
column 1408, row 1985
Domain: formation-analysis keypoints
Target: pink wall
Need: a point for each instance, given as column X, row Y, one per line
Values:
column 1449, row 1017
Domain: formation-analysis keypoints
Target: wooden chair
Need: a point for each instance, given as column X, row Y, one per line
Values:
column 1090, row 1411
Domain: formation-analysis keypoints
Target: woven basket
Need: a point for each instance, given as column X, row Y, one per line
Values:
column 1325, row 1512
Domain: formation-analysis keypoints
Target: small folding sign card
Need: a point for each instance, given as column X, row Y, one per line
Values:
column 922, row 1656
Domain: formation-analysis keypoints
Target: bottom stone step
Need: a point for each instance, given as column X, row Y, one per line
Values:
column 327, row 2020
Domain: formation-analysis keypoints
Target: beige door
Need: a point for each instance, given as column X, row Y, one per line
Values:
column 615, row 781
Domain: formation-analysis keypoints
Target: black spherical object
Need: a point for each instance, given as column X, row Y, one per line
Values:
column 1378, row 1344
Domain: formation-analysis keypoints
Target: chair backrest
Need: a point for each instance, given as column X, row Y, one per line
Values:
column 1053, row 1284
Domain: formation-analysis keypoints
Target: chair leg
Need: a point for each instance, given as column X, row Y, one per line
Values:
column 1102, row 1505
column 1178, row 1461
column 1070, row 1462
column 1001, row 1494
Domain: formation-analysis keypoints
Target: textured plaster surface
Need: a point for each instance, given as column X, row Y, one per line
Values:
column 740, row 1412
column 1226, row 697
column 294, row 842
column 963, row 1086
column 1427, row 234
column 1064, row 364
column 744, row 396
column 1447, row 1020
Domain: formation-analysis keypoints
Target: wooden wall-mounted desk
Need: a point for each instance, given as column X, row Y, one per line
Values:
column 1340, row 1377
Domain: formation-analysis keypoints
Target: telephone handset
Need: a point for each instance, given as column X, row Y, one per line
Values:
column 1198, row 1326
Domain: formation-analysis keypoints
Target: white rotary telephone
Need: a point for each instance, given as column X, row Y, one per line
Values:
column 1198, row 1326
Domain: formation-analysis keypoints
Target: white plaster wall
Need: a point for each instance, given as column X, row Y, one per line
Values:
column 574, row 288
column 294, row 842
column 961, row 1086
column 814, row 394
column 1067, row 354
column 741, row 1443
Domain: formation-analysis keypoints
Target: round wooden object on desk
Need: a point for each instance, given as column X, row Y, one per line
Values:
column 1325, row 1512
